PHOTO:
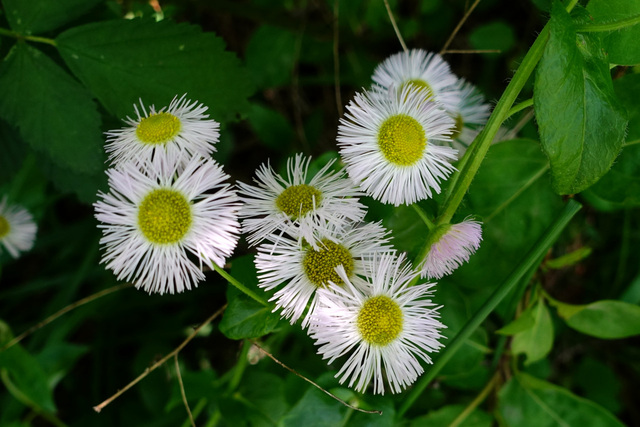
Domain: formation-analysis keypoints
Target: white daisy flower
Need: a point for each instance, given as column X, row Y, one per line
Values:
column 17, row 229
column 454, row 244
column 392, row 146
column 385, row 325
column 293, row 206
column 303, row 268
column 181, row 131
column 426, row 70
column 473, row 112
column 153, row 216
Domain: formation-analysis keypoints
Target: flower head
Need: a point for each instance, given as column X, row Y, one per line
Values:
column 392, row 145
column 293, row 206
column 181, row 131
column 473, row 113
column 304, row 268
column 426, row 70
column 454, row 245
column 383, row 323
column 153, row 215
column 17, row 229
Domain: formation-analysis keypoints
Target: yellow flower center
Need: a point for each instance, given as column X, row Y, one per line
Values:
column 158, row 128
column 298, row 200
column 422, row 85
column 164, row 216
column 319, row 266
column 457, row 130
column 379, row 320
column 402, row 140
column 4, row 227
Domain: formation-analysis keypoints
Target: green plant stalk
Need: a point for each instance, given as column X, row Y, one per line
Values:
column 477, row 401
column 519, row 107
column 36, row 39
column 609, row 26
column 534, row 255
column 242, row 288
column 478, row 149
column 423, row 215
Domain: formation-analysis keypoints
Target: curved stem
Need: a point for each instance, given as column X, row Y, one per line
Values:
column 457, row 28
column 519, row 107
column 535, row 254
column 242, row 288
column 609, row 26
column 35, row 39
column 395, row 26
column 477, row 401
column 423, row 215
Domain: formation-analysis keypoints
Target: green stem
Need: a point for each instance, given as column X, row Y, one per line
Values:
column 519, row 107
column 423, row 215
column 634, row 142
column 36, row 39
column 537, row 251
column 609, row 26
column 481, row 144
column 240, row 367
column 477, row 401
column 242, row 288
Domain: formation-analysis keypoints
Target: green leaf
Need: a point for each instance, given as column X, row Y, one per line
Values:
column 606, row 319
column 535, row 343
column 271, row 127
column 445, row 415
column 126, row 60
column 569, row 259
column 620, row 187
column 38, row 16
column 53, row 112
column 525, row 398
column 622, row 45
column 315, row 409
column 524, row 322
column 14, row 151
column 599, row 383
column 580, row 121
column 84, row 185
column 57, row 359
column 263, row 395
column 245, row 317
column 270, row 56
column 23, row 376
column 494, row 35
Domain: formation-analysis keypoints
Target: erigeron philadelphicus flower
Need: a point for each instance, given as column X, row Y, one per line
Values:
column 453, row 245
column 157, row 220
column 303, row 269
column 384, row 325
column 426, row 70
column 17, row 229
column 180, row 131
column 473, row 113
column 392, row 146
column 293, row 206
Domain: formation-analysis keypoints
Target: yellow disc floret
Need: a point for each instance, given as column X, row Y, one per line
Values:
column 4, row 227
column 379, row 320
column 422, row 85
column 402, row 140
column 164, row 216
column 319, row 266
column 298, row 200
column 158, row 128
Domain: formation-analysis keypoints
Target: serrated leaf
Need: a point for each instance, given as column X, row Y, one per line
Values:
column 525, row 398
column 52, row 111
column 580, row 121
column 536, row 342
column 37, row 16
column 84, row 185
column 622, row 45
column 607, row 319
column 124, row 60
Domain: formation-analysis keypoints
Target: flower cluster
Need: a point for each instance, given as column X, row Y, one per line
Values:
column 169, row 210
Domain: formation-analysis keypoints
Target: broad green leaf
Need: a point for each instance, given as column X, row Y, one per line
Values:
column 262, row 393
column 606, row 319
column 535, row 343
column 377, row 403
column 38, row 16
column 620, row 187
column 621, row 45
column 270, row 56
column 525, row 398
column 52, row 111
column 58, row 359
column 599, row 382
column 580, row 121
column 23, row 375
column 245, row 317
column 445, row 416
column 494, row 35
column 126, row 60
column 84, row 185
column 271, row 127
column 524, row 322
column 14, row 151
column 315, row 409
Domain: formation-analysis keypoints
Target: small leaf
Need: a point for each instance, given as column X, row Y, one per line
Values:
column 535, row 343
column 525, row 398
column 126, row 60
column 621, row 45
column 53, row 112
column 38, row 16
column 494, row 35
column 525, row 321
column 569, row 259
column 581, row 123
column 606, row 319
